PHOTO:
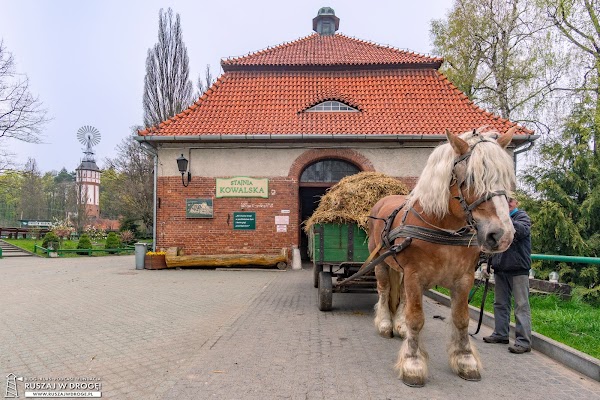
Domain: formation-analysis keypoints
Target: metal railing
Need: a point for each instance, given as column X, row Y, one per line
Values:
column 80, row 251
column 572, row 259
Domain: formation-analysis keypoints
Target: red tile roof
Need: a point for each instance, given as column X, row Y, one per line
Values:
column 334, row 50
column 267, row 93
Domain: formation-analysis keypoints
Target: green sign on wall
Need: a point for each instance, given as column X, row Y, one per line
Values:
column 244, row 220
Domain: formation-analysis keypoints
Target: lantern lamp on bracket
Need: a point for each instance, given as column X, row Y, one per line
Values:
column 182, row 165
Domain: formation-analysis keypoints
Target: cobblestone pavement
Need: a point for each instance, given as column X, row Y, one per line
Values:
column 196, row 334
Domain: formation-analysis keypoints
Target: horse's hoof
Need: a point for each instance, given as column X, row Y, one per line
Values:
column 413, row 381
column 473, row 376
column 386, row 334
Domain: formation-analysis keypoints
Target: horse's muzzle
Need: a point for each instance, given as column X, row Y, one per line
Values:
column 494, row 240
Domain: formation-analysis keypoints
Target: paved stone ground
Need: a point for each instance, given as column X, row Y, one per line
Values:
column 195, row 334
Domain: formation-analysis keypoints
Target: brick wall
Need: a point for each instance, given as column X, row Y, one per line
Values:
column 216, row 235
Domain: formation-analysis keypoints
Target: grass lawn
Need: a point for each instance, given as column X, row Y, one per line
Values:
column 28, row 245
column 571, row 322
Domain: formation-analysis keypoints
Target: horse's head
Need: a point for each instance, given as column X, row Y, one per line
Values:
column 482, row 178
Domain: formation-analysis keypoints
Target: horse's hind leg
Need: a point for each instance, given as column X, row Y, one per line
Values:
column 464, row 358
column 383, row 319
column 397, row 303
column 412, row 358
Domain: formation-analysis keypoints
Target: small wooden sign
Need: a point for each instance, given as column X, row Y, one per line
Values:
column 199, row 208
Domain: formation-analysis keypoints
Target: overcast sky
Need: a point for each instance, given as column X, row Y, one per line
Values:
column 86, row 59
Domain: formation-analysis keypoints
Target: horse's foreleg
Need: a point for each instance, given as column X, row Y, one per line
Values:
column 464, row 358
column 412, row 358
column 383, row 319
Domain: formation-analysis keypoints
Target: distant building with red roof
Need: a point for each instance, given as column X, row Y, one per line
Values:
column 300, row 116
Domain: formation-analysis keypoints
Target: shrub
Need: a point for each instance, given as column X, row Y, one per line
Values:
column 50, row 239
column 127, row 237
column 129, row 224
column 94, row 233
column 591, row 296
column 112, row 242
column 84, row 243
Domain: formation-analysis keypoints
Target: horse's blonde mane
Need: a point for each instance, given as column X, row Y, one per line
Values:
column 490, row 168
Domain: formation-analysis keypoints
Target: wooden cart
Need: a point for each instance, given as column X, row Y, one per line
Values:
column 337, row 252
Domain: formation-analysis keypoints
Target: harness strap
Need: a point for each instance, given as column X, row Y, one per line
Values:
column 462, row 231
column 466, row 238
column 388, row 225
column 483, row 199
column 393, row 250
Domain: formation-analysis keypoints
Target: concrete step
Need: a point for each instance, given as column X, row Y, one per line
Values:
column 9, row 250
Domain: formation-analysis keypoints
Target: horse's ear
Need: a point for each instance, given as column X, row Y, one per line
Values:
column 505, row 139
column 459, row 145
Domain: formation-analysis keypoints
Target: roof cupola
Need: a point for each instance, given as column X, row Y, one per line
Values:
column 326, row 23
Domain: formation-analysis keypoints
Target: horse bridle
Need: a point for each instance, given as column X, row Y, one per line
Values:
column 468, row 208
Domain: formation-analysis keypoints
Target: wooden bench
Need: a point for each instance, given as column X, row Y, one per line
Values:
column 174, row 258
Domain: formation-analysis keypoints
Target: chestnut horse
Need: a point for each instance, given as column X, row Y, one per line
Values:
column 461, row 201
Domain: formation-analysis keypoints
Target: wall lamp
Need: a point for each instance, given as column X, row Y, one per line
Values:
column 182, row 164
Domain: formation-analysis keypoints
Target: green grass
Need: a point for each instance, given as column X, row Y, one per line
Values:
column 28, row 245
column 571, row 322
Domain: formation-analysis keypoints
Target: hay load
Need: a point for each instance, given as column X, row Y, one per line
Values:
column 352, row 198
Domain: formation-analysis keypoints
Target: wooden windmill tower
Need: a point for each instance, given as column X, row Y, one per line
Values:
column 88, row 173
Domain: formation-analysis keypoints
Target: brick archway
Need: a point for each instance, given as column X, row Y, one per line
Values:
column 312, row 156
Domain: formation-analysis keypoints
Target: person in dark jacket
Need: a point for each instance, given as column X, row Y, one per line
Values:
column 511, row 272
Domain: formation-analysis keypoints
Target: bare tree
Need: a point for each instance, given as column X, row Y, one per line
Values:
column 204, row 84
column 167, row 88
column 133, row 169
column 21, row 114
column 500, row 54
column 578, row 21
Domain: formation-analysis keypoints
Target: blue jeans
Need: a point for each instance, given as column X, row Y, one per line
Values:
column 518, row 287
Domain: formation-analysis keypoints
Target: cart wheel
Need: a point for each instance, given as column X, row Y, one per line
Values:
column 316, row 269
column 325, row 292
column 281, row 265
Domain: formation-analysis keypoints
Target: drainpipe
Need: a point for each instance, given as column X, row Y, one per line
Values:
column 148, row 148
column 518, row 151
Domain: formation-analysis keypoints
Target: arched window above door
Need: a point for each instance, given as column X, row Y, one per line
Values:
column 328, row 171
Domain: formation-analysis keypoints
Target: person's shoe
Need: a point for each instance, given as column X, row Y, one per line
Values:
column 495, row 339
column 516, row 349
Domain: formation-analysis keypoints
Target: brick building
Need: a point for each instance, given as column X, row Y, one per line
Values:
column 282, row 125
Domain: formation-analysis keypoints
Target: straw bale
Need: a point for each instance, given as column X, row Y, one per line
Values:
column 352, row 198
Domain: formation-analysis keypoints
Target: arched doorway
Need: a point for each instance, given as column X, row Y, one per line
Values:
column 315, row 179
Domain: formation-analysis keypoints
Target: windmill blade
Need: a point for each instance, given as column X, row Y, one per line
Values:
column 88, row 135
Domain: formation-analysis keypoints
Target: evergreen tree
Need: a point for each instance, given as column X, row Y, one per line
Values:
column 564, row 198
column 32, row 204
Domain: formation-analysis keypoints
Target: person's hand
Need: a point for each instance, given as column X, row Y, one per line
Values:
column 484, row 273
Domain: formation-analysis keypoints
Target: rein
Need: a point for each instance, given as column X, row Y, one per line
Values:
column 486, row 263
